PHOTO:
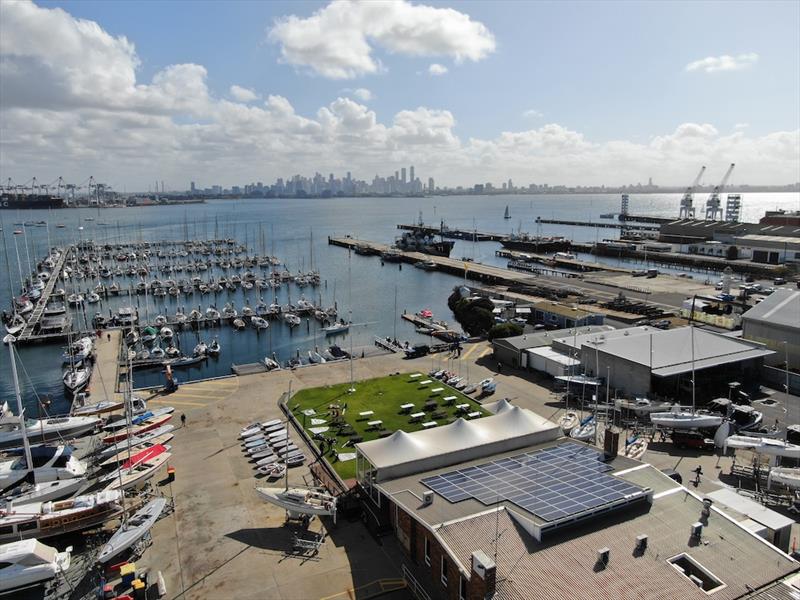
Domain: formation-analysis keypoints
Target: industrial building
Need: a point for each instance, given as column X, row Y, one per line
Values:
column 775, row 322
column 505, row 507
column 513, row 351
column 561, row 316
column 642, row 361
column 770, row 249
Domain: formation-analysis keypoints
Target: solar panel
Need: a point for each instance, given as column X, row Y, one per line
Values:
column 552, row 483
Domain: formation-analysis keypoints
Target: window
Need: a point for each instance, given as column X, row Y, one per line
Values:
column 444, row 571
column 427, row 552
column 696, row 573
column 462, row 589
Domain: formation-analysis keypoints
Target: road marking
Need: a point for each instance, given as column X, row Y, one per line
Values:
column 181, row 395
column 485, row 352
column 470, row 351
column 171, row 402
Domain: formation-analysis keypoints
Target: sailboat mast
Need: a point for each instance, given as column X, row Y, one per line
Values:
column 28, row 458
column 693, row 397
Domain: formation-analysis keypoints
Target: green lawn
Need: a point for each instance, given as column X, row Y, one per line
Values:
column 384, row 396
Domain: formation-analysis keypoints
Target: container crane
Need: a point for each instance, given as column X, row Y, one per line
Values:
column 687, row 208
column 714, row 204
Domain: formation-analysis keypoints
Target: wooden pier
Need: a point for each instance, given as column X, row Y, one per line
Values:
column 30, row 333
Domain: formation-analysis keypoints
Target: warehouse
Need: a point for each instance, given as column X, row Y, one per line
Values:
column 560, row 316
column 642, row 361
column 775, row 322
column 512, row 351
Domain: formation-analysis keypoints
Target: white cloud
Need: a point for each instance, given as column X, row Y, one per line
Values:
column 363, row 94
column 436, row 69
column 57, row 120
column 740, row 126
column 712, row 64
column 242, row 94
column 532, row 113
column 337, row 41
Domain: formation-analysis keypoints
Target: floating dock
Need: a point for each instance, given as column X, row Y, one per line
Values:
column 596, row 224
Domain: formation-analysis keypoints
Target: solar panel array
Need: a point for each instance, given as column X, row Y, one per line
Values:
column 551, row 483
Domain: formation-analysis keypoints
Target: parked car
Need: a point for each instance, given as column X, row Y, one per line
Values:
column 779, row 281
column 417, row 351
column 692, row 439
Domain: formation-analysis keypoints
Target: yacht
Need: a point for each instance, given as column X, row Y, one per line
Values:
column 16, row 324
column 46, row 519
column 291, row 319
column 76, row 379
column 259, row 323
column 338, row 327
column 30, row 563
column 45, row 430
column 300, row 501
column 762, row 445
column 49, row 464
column 641, row 407
column 678, row 418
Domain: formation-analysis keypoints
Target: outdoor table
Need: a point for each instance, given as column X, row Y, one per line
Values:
column 462, row 407
column 406, row 407
column 375, row 423
column 417, row 416
column 366, row 413
column 426, row 382
column 449, row 400
column 437, row 390
column 429, row 424
column 416, row 375
column 472, row 415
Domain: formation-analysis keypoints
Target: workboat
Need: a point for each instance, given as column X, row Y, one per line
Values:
column 41, row 520
column 678, row 418
column 49, row 463
column 45, row 430
column 790, row 477
column 762, row 445
column 132, row 530
column 136, row 474
column 299, row 501
column 30, row 563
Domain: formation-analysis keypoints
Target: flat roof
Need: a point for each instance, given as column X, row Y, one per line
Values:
column 545, row 338
column 550, row 354
column 562, row 309
column 749, row 509
column 781, row 307
column 773, row 239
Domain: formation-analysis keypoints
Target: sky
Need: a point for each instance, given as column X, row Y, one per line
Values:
column 574, row 93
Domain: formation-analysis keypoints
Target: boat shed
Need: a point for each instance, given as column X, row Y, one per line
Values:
column 775, row 321
column 640, row 361
column 482, row 514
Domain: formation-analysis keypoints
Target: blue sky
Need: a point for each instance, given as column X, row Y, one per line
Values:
column 610, row 72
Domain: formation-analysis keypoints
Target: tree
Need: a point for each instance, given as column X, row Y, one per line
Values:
column 504, row 330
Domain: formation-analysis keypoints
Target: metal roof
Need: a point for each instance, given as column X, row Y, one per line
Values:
column 782, row 307
column 736, row 503
column 545, row 338
column 565, row 565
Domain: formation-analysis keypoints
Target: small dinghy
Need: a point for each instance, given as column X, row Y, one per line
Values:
column 273, row 470
column 635, row 447
column 585, row 431
column 132, row 530
column 568, row 421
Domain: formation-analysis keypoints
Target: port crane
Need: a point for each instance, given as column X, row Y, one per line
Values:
column 713, row 204
column 687, row 208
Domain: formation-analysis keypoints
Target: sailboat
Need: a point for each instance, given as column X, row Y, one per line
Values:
column 132, row 530
column 299, row 501
column 506, row 215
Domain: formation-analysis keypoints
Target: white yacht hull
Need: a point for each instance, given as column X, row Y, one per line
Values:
column 278, row 497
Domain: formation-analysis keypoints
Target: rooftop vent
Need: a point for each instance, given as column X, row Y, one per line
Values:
column 706, row 512
column 427, row 498
column 641, row 542
column 602, row 556
column 697, row 530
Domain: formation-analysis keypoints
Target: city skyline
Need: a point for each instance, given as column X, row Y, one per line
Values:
column 134, row 91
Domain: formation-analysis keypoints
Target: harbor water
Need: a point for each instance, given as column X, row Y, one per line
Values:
column 296, row 232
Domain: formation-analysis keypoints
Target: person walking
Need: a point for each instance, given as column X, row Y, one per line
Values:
column 183, row 420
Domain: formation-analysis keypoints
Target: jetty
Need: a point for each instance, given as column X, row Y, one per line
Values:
column 32, row 331
column 461, row 268
column 542, row 221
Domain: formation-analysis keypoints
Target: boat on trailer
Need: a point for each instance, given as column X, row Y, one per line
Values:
column 29, row 563
column 132, row 530
column 300, row 501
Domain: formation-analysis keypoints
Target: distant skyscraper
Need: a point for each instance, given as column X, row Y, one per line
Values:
column 650, row 181
column 192, row 187
column 510, row 185
column 430, row 185
column 403, row 174
column 411, row 174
